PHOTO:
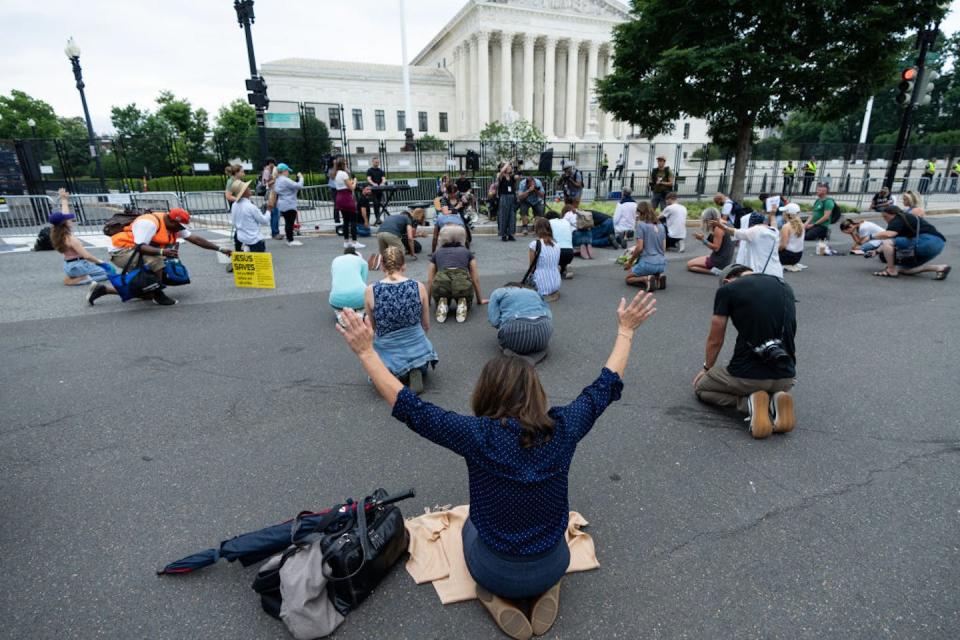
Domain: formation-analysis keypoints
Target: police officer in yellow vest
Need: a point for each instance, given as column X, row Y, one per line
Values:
column 928, row 172
column 809, row 173
column 954, row 176
column 789, row 173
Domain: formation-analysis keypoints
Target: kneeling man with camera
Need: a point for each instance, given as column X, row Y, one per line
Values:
column 761, row 373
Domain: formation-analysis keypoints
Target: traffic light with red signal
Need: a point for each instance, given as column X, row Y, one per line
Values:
column 908, row 78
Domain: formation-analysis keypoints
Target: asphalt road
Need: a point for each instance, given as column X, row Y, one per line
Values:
column 131, row 435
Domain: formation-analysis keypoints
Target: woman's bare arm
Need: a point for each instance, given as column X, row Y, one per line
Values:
column 629, row 317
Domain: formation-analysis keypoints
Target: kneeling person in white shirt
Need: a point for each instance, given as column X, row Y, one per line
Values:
column 674, row 216
column 247, row 218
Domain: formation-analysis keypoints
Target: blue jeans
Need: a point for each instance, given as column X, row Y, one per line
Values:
column 275, row 222
column 513, row 577
column 81, row 267
column 928, row 248
column 646, row 268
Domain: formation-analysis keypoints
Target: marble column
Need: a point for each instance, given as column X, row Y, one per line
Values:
column 473, row 87
column 528, row 42
column 506, row 73
column 483, row 79
column 609, row 126
column 590, row 115
column 457, row 125
column 573, row 71
column 549, row 89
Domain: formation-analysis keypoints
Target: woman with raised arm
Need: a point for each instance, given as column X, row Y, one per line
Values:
column 79, row 265
column 518, row 454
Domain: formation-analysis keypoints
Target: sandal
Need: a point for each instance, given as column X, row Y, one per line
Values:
column 942, row 275
column 886, row 274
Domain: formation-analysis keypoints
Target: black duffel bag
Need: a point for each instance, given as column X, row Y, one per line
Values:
column 363, row 551
column 359, row 542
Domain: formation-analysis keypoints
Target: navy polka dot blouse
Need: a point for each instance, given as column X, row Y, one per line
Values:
column 518, row 497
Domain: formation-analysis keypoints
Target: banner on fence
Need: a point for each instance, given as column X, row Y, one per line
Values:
column 253, row 270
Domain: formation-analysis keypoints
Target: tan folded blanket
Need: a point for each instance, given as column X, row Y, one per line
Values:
column 436, row 552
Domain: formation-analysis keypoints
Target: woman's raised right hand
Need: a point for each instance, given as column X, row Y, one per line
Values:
column 630, row 316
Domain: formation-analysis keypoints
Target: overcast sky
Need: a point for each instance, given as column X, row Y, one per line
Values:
column 131, row 49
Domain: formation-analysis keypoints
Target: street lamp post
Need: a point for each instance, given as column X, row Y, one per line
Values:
column 33, row 127
column 73, row 53
column 255, row 85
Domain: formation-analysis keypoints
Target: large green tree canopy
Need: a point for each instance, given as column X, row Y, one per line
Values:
column 742, row 64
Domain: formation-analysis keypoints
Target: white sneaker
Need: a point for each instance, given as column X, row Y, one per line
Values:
column 442, row 310
column 462, row 310
column 681, row 246
column 357, row 245
column 791, row 267
column 801, row 267
column 828, row 251
column 295, row 243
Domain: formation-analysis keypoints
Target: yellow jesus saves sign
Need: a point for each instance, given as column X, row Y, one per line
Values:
column 253, row 270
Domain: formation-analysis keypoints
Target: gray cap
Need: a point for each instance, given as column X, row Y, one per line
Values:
column 730, row 268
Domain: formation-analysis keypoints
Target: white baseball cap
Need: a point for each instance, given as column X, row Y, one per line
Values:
column 790, row 208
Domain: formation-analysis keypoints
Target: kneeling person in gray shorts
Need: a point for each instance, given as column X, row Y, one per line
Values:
column 523, row 319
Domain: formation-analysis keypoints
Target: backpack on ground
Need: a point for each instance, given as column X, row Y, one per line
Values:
column 43, row 243
column 836, row 213
column 119, row 221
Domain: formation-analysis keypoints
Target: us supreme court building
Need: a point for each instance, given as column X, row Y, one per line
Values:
column 537, row 59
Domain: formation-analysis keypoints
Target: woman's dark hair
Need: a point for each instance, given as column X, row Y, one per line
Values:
column 270, row 161
column 349, row 251
column 520, row 285
column 451, row 188
column 510, row 388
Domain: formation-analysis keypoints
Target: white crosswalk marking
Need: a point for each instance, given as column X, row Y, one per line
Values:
column 16, row 244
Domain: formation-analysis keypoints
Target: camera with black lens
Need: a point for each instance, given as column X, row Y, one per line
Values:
column 772, row 352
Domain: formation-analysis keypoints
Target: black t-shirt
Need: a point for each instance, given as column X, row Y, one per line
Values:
column 376, row 173
column 463, row 185
column 506, row 185
column 908, row 229
column 762, row 308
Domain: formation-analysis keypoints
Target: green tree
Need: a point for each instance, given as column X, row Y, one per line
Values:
column 520, row 139
column 18, row 108
column 76, row 146
column 431, row 143
column 235, row 131
column 744, row 64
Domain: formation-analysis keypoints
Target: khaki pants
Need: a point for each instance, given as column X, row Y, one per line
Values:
column 721, row 389
column 119, row 260
column 386, row 239
column 452, row 284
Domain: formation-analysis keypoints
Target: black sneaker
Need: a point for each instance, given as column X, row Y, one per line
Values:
column 163, row 299
column 97, row 290
column 511, row 239
column 503, row 238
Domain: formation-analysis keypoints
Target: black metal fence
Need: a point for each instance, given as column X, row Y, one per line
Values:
column 37, row 166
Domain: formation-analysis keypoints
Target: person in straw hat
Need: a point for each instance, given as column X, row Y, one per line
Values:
column 247, row 219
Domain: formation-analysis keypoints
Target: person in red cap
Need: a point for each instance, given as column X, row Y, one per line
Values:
column 155, row 235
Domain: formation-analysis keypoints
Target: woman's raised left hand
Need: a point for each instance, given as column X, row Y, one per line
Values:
column 356, row 331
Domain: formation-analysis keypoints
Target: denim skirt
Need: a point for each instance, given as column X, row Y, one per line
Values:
column 513, row 577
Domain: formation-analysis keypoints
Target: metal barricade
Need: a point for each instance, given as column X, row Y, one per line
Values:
column 24, row 215
column 315, row 205
column 208, row 209
column 156, row 200
column 92, row 210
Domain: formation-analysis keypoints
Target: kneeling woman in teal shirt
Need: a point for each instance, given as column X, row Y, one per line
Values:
column 348, row 275
column 518, row 456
